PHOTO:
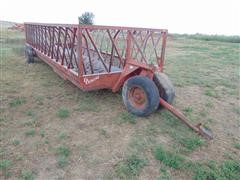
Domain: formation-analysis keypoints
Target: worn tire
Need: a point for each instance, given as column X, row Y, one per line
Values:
column 140, row 95
column 165, row 86
column 29, row 53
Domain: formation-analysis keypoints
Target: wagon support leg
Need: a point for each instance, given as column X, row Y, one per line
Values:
column 199, row 129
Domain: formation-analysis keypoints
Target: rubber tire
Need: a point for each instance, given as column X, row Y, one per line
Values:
column 29, row 53
column 151, row 92
column 165, row 86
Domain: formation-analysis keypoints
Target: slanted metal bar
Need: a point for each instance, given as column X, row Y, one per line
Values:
column 96, row 49
column 50, row 41
column 58, row 42
column 89, row 55
column 64, row 47
column 45, row 39
column 68, row 50
column 139, row 48
column 143, row 44
column 75, row 59
column 56, row 34
column 155, row 46
column 37, row 38
column 42, row 41
column 114, row 46
column 73, row 42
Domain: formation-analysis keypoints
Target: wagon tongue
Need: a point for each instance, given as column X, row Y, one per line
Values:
column 199, row 128
column 205, row 132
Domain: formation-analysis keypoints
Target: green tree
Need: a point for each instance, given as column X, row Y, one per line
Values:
column 86, row 18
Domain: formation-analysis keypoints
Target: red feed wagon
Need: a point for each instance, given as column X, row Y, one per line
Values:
column 106, row 57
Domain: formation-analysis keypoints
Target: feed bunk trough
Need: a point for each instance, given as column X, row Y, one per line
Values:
column 107, row 57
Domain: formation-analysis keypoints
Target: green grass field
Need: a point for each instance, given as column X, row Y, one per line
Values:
column 50, row 129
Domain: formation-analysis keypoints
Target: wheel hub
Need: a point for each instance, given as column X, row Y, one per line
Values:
column 137, row 97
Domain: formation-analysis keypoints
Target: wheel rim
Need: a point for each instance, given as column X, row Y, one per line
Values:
column 137, row 97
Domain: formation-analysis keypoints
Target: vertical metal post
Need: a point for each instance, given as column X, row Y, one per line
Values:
column 58, row 42
column 41, row 38
column 53, row 39
column 45, row 40
column 50, row 40
column 128, row 48
column 163, row 50
column 79, row 51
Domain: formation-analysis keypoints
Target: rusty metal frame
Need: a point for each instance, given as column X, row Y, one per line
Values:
column 62, row 46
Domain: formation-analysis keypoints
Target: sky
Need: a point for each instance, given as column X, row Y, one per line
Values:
column 178, row 16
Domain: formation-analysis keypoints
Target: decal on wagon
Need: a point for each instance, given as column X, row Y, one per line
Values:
column 90, row 80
